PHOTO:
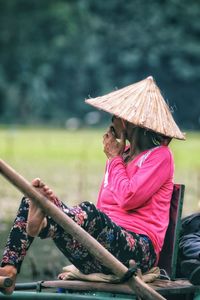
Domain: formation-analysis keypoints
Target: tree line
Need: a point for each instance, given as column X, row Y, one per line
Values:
column 56, row 53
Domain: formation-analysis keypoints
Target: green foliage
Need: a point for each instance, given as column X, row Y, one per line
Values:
column 186, row 153
column 54, row 54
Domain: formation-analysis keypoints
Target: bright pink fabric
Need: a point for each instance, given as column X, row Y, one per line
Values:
column 137, row 196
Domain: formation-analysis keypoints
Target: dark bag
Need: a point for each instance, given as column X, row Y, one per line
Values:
column 189, row 244
column 189, row 249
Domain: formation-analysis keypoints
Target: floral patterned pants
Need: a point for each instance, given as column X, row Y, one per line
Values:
column 123, row 244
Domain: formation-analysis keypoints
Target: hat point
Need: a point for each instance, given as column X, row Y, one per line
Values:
column 150, row 77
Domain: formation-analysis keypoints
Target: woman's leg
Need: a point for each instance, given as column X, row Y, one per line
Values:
column 17, row 244
column 18, row 241
column 124, row 245
column 29, row 219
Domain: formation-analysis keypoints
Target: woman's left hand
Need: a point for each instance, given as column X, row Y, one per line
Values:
column 112, row 147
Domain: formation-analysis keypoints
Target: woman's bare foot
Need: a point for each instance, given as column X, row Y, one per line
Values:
column 11, row 272
column 36, row 217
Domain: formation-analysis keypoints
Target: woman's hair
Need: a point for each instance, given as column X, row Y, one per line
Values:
column 146, row 139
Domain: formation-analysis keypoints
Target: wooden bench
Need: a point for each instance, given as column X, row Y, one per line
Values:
column 171, row 290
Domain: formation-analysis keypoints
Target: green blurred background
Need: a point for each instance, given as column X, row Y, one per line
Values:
column 53, row 55
column 56, row 53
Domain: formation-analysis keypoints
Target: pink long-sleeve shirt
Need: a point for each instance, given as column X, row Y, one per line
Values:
column 136, row 196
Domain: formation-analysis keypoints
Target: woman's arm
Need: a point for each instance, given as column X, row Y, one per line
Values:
column 133, row 192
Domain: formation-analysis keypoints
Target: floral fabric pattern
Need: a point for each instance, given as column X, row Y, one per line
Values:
column 123, row 244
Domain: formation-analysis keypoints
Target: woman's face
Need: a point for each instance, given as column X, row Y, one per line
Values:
column 117, row 127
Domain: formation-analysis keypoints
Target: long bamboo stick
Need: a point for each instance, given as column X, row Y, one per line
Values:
column 104, row 256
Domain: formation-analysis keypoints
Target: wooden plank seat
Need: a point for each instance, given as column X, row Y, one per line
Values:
column 164, row 287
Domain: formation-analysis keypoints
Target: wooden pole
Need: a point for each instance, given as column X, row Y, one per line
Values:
column 95, row 248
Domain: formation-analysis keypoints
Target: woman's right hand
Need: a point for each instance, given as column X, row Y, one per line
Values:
column 113, row 147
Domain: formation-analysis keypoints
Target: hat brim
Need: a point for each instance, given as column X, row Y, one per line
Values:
column 142, row 105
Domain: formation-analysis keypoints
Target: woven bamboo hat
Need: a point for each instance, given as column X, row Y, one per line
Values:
column 141, row 104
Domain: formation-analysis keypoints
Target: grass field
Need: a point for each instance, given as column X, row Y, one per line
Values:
column 72, row 163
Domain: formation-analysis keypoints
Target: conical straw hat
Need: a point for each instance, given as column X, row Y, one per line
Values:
column 141, row 104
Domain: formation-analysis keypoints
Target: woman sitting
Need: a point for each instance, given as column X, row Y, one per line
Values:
column 132, row 212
